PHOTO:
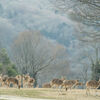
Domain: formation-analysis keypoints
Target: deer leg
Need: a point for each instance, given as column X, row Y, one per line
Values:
column 96, row 92
column 7, row 84
column 87, row 91
column 60, row 89
column 66, row 88
column 1, row 84
column 73, row 86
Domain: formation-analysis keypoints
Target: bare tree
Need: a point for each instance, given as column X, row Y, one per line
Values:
column 87, row 11
column 84, row 12
column 84, row 72
column 33, row 53
column 86, row 17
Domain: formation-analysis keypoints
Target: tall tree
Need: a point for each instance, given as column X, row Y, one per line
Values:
column 33, row 53
column 6, row 66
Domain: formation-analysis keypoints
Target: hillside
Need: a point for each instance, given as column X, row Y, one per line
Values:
column 21, row 15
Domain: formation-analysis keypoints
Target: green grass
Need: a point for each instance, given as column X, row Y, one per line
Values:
column 32, row 93
column 2, row 99
column 75, row 94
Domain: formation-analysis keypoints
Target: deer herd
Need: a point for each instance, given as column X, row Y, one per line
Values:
column 20, row 80
column 26, row 81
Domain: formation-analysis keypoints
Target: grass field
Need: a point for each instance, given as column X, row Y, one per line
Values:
column 75, row 94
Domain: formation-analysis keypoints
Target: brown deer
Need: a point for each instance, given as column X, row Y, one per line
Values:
column 78, row 84
column 69, row 84
column 56, row 83
column 31, row 82
column 28, row 82
column 12, row 80
column 26, row 79
column 1, row 80
column 93, row 84
column 19, row 78
column 46, row 85
column 4, row 79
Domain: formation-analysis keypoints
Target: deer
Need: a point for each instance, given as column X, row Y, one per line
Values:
column 26, row 79
column 4, row 79
column 70, row 84
column 56, row 83
column 46, row 85
column 78, row 84
column 92, row 84
column 1, row 80
column 31, row 82
column 19, row 78
column 14, row 81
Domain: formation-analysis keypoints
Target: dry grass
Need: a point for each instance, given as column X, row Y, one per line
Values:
column 75, row 94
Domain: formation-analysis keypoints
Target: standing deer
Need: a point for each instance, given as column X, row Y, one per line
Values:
column 12, row 80
column 28, row 82
column 26, row 79
column 31, row 82
column 56, row 83
column 4, row 79
column 93, row 84
column 1, row 80
column 78, row 84
column 19, row 78
column 69, row 84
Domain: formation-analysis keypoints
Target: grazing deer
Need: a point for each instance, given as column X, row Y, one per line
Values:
column 69, row 84
column 93, row 84
column 46, row 85
column 12, row 80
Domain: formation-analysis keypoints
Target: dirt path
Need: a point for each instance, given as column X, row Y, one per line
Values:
column 5, row 97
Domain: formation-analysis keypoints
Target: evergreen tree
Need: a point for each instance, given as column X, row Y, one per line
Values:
column 6, row 66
